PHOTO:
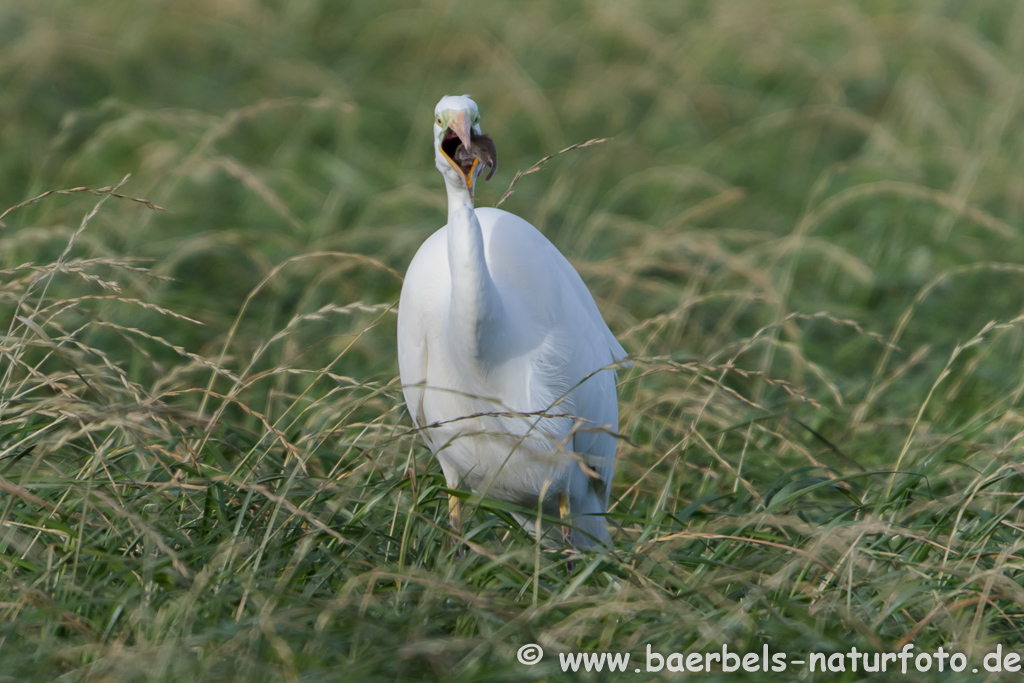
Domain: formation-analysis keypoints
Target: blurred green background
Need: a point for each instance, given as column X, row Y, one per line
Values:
column 806, row 228
column 275, row 129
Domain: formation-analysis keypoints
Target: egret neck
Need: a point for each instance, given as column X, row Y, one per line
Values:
column 476, row 307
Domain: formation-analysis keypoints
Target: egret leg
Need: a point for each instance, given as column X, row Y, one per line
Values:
column 563, row 512
column 455, row 522
column 455, row 514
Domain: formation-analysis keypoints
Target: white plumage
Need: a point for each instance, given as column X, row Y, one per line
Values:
column 494, row 320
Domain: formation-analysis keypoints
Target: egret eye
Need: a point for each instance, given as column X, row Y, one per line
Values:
column 438, row 120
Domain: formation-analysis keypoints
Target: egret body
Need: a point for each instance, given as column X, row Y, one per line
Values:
column 503, row 354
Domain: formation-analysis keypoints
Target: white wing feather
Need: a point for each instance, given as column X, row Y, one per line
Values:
column 549, row 357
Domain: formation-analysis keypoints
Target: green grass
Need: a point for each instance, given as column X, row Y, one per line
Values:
column 806, row 229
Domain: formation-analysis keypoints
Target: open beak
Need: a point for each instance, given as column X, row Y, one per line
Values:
column 465, row 150
column 459, row 127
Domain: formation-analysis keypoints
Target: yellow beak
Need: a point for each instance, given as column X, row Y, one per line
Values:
column 459, row 123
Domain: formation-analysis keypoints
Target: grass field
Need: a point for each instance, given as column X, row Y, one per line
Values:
column 806, row 229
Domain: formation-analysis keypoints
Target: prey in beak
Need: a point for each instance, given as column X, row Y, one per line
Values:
column 466, row 150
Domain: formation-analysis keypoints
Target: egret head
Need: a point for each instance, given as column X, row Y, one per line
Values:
column 461, row 150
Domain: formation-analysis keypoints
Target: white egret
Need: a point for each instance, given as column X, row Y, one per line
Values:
column 503, row 353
